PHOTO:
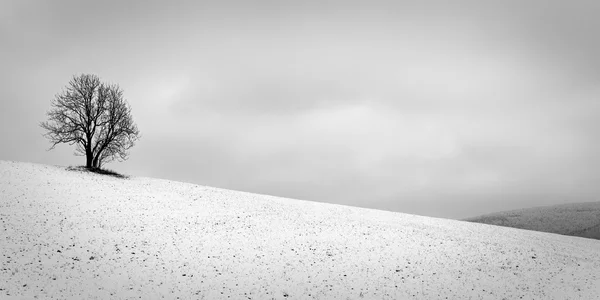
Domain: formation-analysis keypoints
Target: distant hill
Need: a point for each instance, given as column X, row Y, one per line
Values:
column 73, row 234
column 580, row 219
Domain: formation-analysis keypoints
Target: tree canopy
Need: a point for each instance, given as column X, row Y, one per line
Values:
column 95, row 117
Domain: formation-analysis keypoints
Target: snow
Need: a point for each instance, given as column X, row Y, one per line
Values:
column 74, row 235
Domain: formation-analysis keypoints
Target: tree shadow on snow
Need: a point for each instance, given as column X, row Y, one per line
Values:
column 97, row 171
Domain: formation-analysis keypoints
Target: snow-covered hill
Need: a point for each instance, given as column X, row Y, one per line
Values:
column 69, row 234
column 578, row 219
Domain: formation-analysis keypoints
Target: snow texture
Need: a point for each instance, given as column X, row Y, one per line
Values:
column 76, row 235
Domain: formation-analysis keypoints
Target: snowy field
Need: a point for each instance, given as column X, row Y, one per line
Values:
column 74, row 235
column 579, row 219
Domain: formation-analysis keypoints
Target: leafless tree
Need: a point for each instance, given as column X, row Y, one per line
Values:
column 95, row 117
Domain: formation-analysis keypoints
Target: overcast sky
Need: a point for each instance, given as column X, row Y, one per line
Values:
column 425, row 107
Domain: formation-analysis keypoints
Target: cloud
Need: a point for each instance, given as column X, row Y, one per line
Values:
column 400, row 105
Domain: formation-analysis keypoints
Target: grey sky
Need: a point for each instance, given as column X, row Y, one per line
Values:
column 427, row 107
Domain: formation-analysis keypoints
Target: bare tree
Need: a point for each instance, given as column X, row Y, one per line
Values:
column 95, row 117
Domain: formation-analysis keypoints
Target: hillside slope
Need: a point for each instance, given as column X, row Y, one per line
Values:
column 580, row 219
column 77, row 235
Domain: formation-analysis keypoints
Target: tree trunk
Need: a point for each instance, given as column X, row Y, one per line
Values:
column 89, row 155
column 95, row 162
column 89, row 159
